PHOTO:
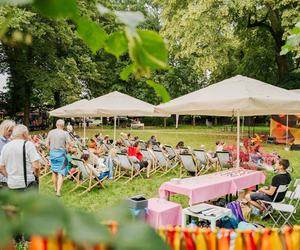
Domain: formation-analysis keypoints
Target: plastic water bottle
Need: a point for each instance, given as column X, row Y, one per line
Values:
column 193, row 224
column 255, row 211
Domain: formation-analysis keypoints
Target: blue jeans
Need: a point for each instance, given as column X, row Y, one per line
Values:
column 103, row 175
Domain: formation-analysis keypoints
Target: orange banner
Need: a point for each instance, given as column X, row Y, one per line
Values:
column 281, row 131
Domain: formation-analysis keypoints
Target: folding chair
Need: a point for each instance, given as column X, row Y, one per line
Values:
column 280, row 189
column 289, row 194
column 170, row 151
column 152, row 161
column 89, row 175
column 126, row 143
column 156, row 147
column 142, row 145
column 46, row 166
column 164, row 164
column 127, row 166
column 224, row 159
column 202, row 161
column 286, row 211
column 187, row 162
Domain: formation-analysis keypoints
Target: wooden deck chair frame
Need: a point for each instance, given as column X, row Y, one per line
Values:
column 224, row 159
column 164, row 164
column 46, row 166
column 151, row 161
column 76, row 174
column 187, row 163
column 89, row 176
column 286, row 211
column 171, row 152
column 204, row 165
column 126, row 166
column 266, row 204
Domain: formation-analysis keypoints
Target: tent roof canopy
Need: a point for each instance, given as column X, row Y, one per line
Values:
column 119, row 104
column 65, row 110
column 112, row 104
column 238, row 94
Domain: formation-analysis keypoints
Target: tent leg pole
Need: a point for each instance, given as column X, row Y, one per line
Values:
column 84, row 132
column 115, row 130
column 177, row 120
column 238, row 141
column 243, row 122
column 287, row 132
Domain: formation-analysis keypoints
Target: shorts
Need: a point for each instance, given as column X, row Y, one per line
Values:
column 260, row 196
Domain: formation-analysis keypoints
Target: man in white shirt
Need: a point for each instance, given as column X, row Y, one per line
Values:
column 11, row 160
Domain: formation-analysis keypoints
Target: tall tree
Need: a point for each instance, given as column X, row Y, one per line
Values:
column 230, row 37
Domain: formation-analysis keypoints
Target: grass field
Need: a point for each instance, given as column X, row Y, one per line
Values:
column 114, row 192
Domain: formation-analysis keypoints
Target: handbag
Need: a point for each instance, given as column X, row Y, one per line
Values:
column 34, row 184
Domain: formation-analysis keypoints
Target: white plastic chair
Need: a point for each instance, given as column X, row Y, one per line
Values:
column 289, row 194
column 286, row 211
column 280, row 189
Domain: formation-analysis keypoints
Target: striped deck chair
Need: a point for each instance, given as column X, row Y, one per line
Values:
column 151, row 160
column 142, row 145
column 202, row 161
column 155, row 147
column 171, row 152
column 126, row 168
column 45, row 165
column 89, row 176
column 224, row 159
column 164, row 164
column 187, row 162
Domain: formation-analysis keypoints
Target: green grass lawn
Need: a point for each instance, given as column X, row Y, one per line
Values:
column 115, row 192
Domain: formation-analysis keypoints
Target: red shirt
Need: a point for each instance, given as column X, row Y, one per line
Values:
column 132, row 151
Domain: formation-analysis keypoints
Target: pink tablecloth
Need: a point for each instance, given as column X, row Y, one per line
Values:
column 163, row 213
column 207, row 187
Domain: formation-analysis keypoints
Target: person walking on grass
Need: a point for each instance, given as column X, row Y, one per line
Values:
column 57, row 141
column 20, row 161
column 6, row 129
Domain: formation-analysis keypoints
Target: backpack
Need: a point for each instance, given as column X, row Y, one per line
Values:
column 236, row 209
column 229, row 222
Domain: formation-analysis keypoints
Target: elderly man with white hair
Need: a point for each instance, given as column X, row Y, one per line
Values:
column 19, row 161
column 6, row 129
column 57, row 141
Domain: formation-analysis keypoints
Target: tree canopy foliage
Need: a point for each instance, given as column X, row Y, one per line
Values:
column 232, row 37
column 90, row 49
column 50, row 65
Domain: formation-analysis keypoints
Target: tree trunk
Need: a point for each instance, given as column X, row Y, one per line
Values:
column 57, row 99
column 27, row 94
column 216, row 121
column 277, row 32
column 27, row 89
column 57, row 104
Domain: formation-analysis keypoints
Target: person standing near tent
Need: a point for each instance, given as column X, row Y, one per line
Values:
column 6, row 129
column 58, row 141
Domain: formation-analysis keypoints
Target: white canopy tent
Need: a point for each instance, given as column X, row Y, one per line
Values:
column 73, row 110
column 236, row 96
column 116, row 104
column 296, row 90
